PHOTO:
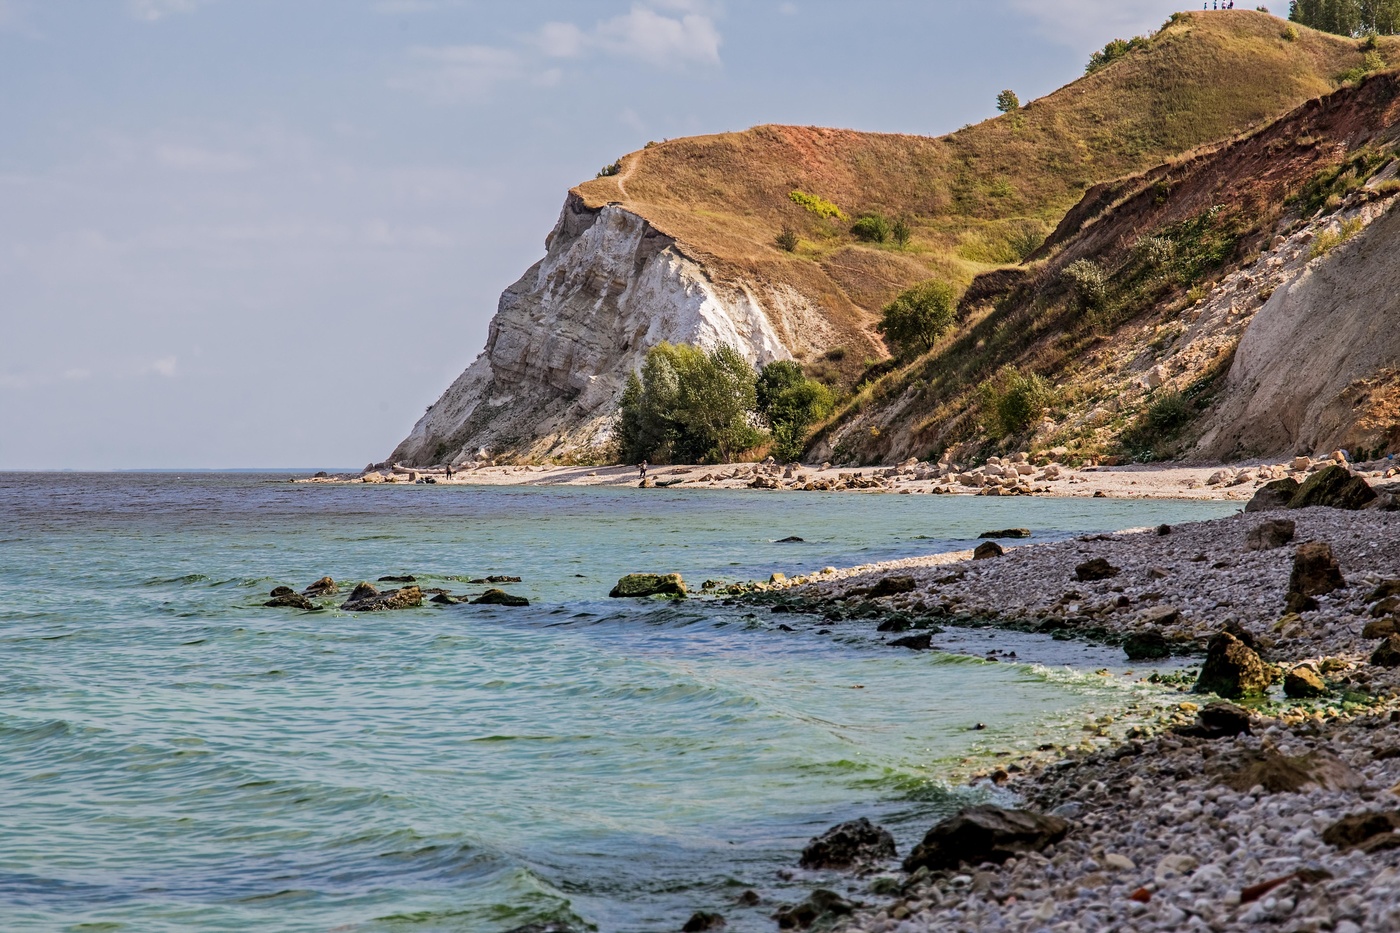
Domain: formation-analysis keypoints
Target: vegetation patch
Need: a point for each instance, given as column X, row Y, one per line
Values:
column 819, row 206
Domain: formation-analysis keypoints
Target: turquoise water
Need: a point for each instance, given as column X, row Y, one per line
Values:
column 173, row 756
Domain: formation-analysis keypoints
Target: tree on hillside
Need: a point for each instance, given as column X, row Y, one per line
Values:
column 1008, row 102
column 918, row 317
column 1348, row 17
column 792, row 403
column 687, row 405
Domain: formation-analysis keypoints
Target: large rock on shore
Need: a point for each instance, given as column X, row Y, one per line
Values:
column 1096, row 569
column 1388, row 654
column 1315, row 573
column 1232, row 669
column 822, row 906
column 1275, row 495
column 637, row 585
column 1335, row 487
column 1149, row 645
column 1270, row 535
column 849, row 845
column 985, row 834
column 1304, row 683
column 367, row 598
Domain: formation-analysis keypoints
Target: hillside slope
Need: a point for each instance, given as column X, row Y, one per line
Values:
column 679, row 245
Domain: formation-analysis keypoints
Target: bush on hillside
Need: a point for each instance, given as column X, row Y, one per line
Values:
column 607, row 171
column 872, row 228
column 915, row 320
column 787, row 240
column 791, row 403
column 689, row 406
column 901, row 231
column 1089, row 281
column 1008, row 102
column 1012, row 401
column 1115, row 50
column 819, row 206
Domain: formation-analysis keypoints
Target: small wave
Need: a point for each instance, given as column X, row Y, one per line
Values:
column 187, row 579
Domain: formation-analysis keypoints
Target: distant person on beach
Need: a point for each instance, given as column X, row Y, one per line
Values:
column 642, row 468
column 449, row 471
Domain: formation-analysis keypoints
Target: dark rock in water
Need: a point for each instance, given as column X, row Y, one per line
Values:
column 289, row 600
column 985, row 834
column 700, row 921
column 321, row 474
column 749, row 898
column 1304, row 683
column 1359, row 829
column 823, row 906
column 403, row 579
column 445, row 599
column 366, row 598
column 1096, row 569
column 892, row 586
column 543, row 928
column 281, row 591
column 322, row 587
column 1388, row 654
column 1225, row 719
column 502, row 579
column 1334, row 487
column 849, row 845
column 781, row 607
column 1315, row 571
column 636, row 585
column 1270, row 535
column 1232, row 669
column 1275, row 495
column 899, row 622
column 988, row 550
column 794, row 539
column 1007, row 533
column 499, row 598
column 1150, row 645
column 914, row 642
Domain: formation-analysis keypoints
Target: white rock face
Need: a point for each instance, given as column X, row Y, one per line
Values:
column 1320, row 349
column 566, row 335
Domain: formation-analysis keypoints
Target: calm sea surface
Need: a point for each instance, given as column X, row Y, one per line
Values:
column 175, row 757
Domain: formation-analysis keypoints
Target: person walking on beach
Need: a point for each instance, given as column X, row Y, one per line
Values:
column 449, row 471
column 642, row 468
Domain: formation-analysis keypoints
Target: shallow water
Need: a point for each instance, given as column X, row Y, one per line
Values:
column 173, row 756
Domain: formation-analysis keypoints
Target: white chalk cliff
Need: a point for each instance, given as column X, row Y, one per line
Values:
column 566, row 335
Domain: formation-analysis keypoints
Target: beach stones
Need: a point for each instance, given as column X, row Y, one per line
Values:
column 1275, row 495
column 1096, row 569
column 988, row 550
column 495, row 597
column 1304, row 683
column 985, row 833
column 855, row 844
column 1232, row 669
column 1270, row 535
column 1334, row 487
column 367, row 598
column 638, row 585
column 822, row 906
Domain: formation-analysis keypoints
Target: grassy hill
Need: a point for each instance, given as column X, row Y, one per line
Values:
column 979, row 198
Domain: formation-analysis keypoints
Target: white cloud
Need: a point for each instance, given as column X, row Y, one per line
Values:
column 788, row 9
column 152, row 10
column 164, row 366
column 664, row 33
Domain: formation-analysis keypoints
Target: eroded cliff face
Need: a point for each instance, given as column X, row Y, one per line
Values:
column 566, row 335
column 1318, row 368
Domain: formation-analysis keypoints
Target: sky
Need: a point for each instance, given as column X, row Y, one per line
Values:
column 269, row 233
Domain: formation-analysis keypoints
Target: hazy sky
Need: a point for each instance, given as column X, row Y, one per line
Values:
column 270, row 232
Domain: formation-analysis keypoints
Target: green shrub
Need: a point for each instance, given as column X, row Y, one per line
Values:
column 791, row 403
column 872, row 228
column 1158, row 424
column 787, row 240
column 1330, row 239
column 819, row 206
column 915, row 320
column 1155, row 252
column 1371, row 62
column 1290, row 33
column 1115, row 50
column 1008, row 102
column 1025, row 237
column 690, row 406
column 607, row 171
column 901, row 232
column 1012, row 401
column 1089, row 281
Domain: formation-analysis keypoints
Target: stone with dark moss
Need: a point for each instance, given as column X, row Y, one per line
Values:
column 855, row 844
column 495, row 597
column 822, row 906
column 1275, row 495
column 702, row 920
column 1388, row 654
column 367, row 598
column 288, row 600
column 640, row 585
column 988, row 550
column 1315, row 571
column 922, row 642
column 985, row 833
column 1334, row 487
column 322, row 587
column 892, row 586
column 1097, row 568
column 1149, row 645
column 1232, row 669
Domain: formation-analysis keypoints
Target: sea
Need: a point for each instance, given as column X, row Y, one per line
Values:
column 174, row 756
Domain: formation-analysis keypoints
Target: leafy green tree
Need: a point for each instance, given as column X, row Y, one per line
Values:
column 901, row 230
column 792, row 403
column 915, row 320
column 1348, row 17
column 1008, row 102
column 687, row 405
column 1115, row 50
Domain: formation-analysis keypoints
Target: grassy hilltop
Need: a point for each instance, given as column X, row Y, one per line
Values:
column 977, row 199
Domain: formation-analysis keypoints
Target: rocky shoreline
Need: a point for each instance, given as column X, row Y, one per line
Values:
column 1210, row 817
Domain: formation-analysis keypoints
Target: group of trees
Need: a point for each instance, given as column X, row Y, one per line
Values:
column 688, row 405
column 1348, row 17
